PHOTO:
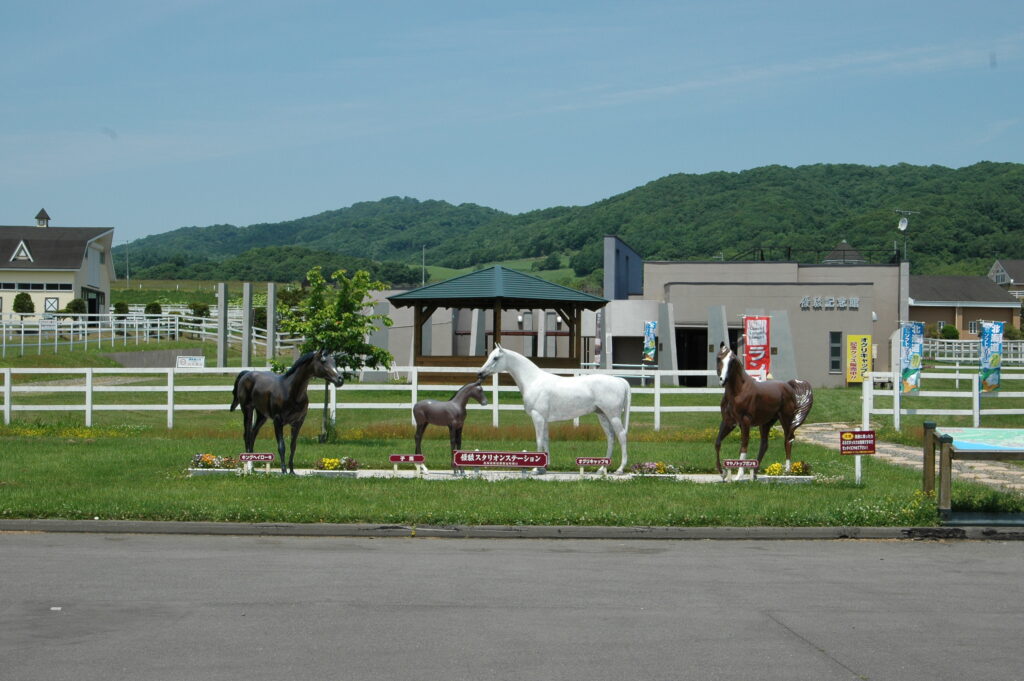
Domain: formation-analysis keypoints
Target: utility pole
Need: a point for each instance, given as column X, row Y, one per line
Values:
column 902, row 226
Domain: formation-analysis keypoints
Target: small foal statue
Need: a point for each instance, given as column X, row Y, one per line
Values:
column 451, row 413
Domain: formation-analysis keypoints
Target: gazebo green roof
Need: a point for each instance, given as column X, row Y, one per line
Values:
column 480, row 289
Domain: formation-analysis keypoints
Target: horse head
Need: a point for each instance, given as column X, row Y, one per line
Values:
column 495, row 363
column 477, row 393
column 725, row 357
column 324, row 366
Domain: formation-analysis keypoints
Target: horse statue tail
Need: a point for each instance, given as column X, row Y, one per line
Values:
column 804, row 400
column 234, row 391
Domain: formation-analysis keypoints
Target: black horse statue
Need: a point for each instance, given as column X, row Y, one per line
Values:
column 451, row 413
column 281, row 398
column 747, row 403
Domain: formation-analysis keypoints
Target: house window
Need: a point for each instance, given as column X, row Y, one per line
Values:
column 835, row 352
column 974, row 326
column 50, row 305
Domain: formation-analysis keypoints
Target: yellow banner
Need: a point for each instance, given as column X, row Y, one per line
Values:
column 858, row 357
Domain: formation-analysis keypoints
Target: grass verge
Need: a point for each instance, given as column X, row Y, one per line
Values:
column 67, row 471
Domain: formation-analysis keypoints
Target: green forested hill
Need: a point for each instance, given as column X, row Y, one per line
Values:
column 966, row 218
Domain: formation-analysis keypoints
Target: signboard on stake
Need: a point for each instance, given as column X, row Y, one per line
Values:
column 858, row 357
column 478, row 459
column 990, row 356
column 739, row 463
column 249, row 456
column 857, row 443
column 757, row 356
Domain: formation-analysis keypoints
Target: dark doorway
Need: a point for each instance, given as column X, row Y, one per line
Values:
column 94, row 301
column 692, row 354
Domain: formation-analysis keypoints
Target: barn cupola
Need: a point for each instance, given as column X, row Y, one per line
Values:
column 42, row 219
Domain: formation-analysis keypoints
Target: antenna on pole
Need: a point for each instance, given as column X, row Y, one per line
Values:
column 902, row 225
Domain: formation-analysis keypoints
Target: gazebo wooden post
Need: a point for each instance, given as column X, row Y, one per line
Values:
column 577, row 326
column 497, row 321
column 417, row 335
column 421, row 314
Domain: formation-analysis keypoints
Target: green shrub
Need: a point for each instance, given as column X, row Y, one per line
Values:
column 199, row 309
column 23, row 304
column 120, row 307
column 76, row 306
column 154, row 308
column 949, row 332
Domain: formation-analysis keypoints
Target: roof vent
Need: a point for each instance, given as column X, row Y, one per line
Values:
column 42, row 219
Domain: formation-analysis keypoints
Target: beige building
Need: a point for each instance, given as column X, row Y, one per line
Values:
column 814, row 308
column 963, row 302
column 55, row 265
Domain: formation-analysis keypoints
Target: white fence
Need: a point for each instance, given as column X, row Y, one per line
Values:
column 964, row 380
column 100, row 331
column 88, row 383
column 941, row 350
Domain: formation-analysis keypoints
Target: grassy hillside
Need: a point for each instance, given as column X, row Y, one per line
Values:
column 964, row 219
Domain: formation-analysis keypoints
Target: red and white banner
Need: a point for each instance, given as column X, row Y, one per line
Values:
column 757, row 353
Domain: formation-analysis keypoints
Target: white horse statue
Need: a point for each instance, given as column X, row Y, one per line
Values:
column 548, row 397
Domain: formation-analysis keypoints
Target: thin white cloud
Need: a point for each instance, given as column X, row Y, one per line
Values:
column 897, row 62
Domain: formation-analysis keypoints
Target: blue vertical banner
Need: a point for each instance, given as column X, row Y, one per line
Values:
column 650, row 341
column 911, row 356
column 990, row 356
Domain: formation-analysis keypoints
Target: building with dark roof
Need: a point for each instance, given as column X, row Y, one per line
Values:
column 55, row 265
column 964, row 302
column 1010, row 275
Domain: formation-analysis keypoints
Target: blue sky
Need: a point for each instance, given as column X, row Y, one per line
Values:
column 149, row 116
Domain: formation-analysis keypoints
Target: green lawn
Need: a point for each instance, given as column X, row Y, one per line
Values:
column 130, row 466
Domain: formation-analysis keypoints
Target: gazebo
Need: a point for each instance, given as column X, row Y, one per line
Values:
column 497, row 289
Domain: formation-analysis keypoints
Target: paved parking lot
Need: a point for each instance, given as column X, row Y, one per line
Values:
column 164, row 607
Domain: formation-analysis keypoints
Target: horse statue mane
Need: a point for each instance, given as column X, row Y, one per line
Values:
column 303, row 359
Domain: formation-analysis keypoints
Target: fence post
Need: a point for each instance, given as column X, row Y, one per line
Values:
column 170, row 399
column 88, row 398
column 7, row 394
column 657, row 401
column 414, row 381
column 333, row 410
column 494, row 400
column 976, row 399
column 867, row 403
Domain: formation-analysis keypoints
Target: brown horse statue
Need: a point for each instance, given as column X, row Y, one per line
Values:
column 748, row 403
column 451, row 413
column 281, row 398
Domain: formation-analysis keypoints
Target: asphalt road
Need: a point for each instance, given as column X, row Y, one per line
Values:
column 165, row 607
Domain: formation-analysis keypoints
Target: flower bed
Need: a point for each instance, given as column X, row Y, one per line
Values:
column 209, row 461
column 653, row 468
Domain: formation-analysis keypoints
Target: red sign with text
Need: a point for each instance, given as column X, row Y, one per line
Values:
column 757, row 357
column 857, row 442
column 407, row 458
column 501, row 459
column 255, row 457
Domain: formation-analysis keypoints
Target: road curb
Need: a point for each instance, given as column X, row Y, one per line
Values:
column 508, row 531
